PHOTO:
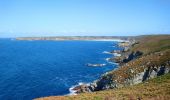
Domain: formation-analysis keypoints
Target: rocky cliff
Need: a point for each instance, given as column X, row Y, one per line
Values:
column 147, row 58
column 134, row 72
column 136, row 67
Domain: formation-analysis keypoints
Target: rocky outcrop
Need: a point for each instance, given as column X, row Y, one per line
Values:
column 150, row 72
column 82, row 88
column 131, row 73
column 107, row 82
column 125, row 58
column 136, row 65
column 131, row 56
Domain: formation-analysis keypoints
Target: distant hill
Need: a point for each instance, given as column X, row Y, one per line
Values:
column 74, row 38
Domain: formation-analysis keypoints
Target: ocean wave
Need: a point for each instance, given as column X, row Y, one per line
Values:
column 106, row 52
column 113, row 63
column 107, row 59
column 117, row 54
column 72, row 92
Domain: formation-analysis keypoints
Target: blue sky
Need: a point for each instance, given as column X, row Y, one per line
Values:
column 83, row 17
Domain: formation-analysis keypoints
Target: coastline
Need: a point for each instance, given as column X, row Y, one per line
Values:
column 119, row 41
column 76, row 89
column 76, row 38
column 126, row 58
column 145, row 59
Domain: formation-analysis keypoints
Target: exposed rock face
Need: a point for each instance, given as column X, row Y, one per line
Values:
column 126, row 76
column 82, row 88
column 106, row 81
column 127, row 58
column 135, row 67
column 132, row 56
column 150, row 73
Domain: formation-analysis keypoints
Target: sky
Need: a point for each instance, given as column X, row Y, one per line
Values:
column 20, row 18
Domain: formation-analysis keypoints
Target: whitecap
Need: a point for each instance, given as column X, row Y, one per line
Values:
column 73, row 92
column 106, row 52
column 107, row 59
column 113, row 63
column 117, row 54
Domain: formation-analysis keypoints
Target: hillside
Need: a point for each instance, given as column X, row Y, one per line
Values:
column 134, row 78
column 152, row 43
column 158, row 88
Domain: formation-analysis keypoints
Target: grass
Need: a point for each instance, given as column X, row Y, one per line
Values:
column 150, row 44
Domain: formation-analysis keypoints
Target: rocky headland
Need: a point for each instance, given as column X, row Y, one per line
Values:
column 136, row 66
column 143, row 58
column 64, row 38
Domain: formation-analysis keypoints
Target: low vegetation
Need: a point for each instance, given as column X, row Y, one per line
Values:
column 152, row 43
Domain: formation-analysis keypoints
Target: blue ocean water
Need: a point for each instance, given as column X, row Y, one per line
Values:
column 32, row 69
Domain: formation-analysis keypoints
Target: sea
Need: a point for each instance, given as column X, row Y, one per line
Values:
column 33, row 69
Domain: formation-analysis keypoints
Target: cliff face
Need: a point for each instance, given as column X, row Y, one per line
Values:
column 134, row 72
column 138, row 66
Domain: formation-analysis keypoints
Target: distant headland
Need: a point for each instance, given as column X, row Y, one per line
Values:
column 61, row 38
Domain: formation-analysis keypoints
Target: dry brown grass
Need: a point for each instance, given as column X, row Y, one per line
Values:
column 152, row 43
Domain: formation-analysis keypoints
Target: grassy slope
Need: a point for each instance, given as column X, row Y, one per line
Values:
column 158, row 88
column 149, row 44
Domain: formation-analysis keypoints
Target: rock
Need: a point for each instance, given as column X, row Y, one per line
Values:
column 161, row 70
column 153, row 74
column 116, row 51
column 82, row 88
column 138, row 78
column 167, row 70
column 115, row 59
column 132, row 55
